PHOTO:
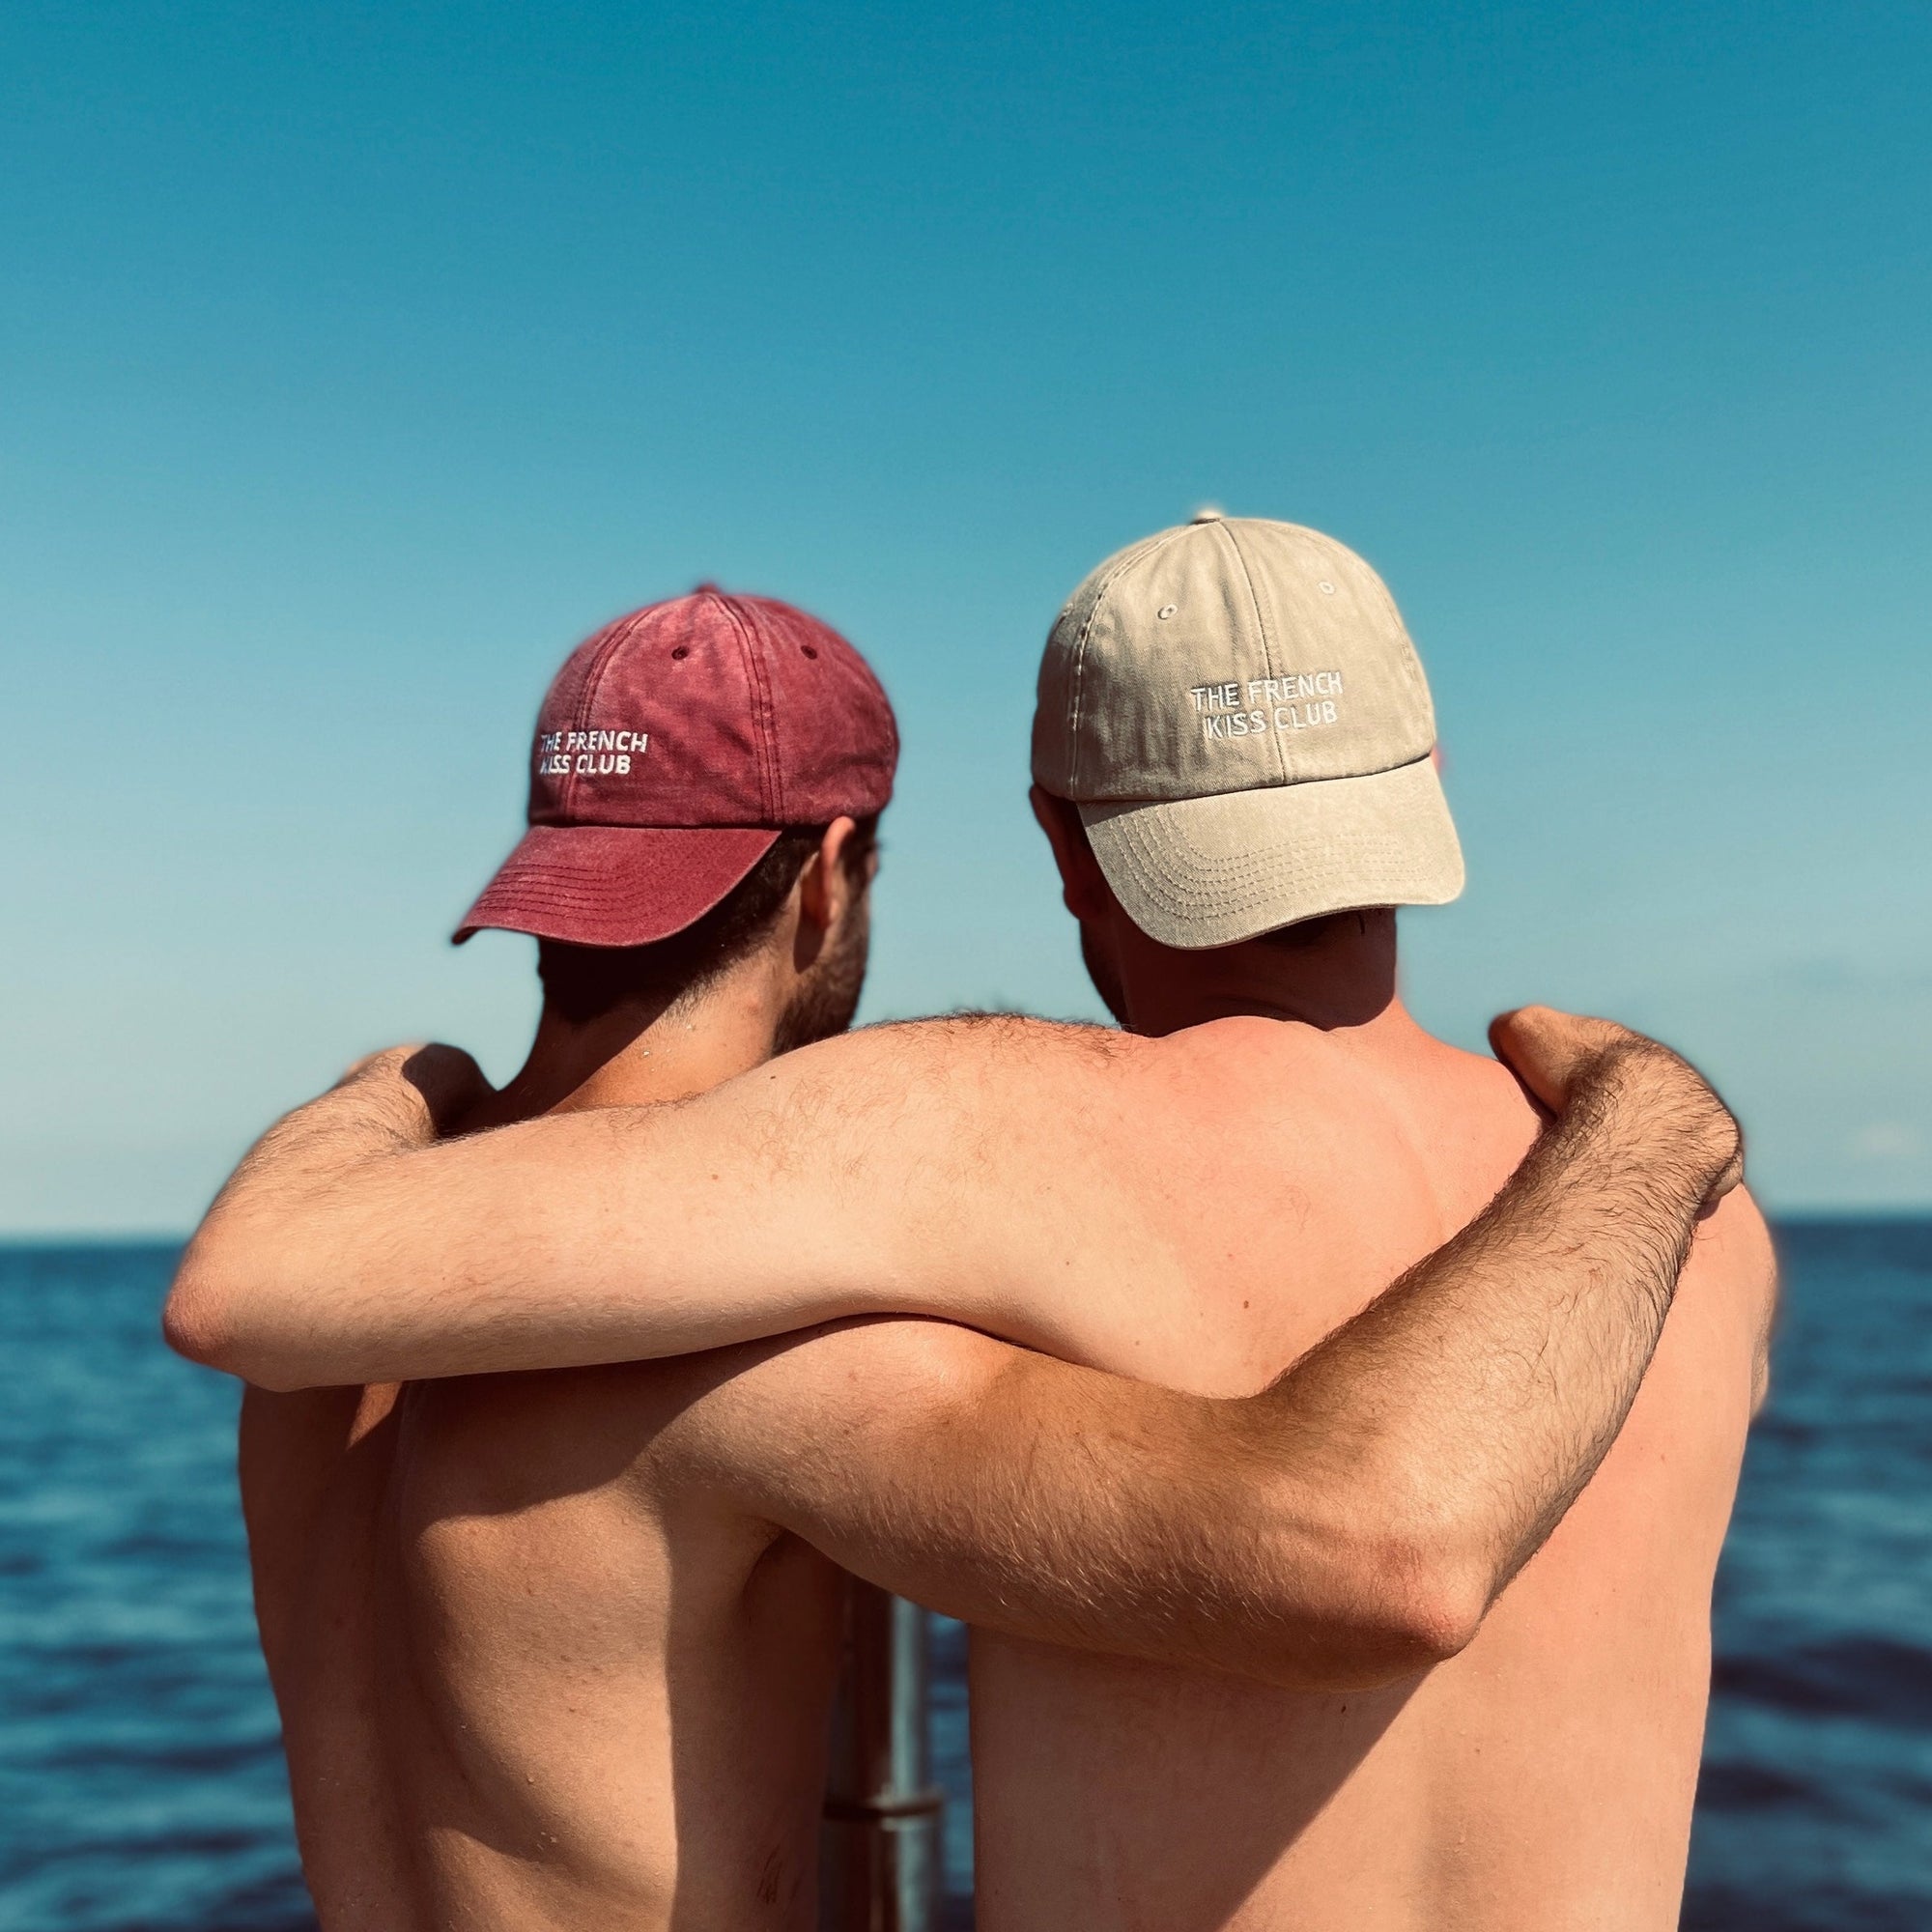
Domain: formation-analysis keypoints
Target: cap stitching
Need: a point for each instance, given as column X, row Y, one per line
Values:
column 1207, row 879
column 1412, row 663
column 1235, row 791
column 622, row 630
column 1212, row 874
column 770, row 784
column 1237, row 863
column 1146, row 547
column 1266, row 629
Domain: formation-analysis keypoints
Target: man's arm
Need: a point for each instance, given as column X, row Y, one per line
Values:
column 1349, row 1525
column 994, row 1173
column 922, row 1169
column 1354, row 1521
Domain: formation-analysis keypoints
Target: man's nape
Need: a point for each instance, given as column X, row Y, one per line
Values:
column 779, row 964
column 1334, row 972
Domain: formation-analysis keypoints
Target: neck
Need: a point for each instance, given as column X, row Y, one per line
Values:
column 1342, row 979
column 636, row 1055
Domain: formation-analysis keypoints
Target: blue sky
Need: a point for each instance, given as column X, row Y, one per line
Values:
column 355, row 362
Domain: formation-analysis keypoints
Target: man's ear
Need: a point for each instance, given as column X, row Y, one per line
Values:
column 826, row 888
column 1083, row 886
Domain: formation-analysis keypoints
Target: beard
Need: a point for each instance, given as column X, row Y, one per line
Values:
column 1106, row 977
column 828, row 994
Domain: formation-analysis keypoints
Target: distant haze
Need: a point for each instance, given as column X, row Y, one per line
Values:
column 360, row 360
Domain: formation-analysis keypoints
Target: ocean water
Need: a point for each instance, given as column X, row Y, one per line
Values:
column 140, row 1784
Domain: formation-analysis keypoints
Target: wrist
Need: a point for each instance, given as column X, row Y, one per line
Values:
column 1647, row 1099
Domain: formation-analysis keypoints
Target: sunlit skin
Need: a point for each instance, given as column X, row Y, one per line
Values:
column 1542, row 1779
column 553, row 1649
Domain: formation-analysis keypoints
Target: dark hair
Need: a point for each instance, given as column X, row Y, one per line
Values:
column 584, row 982
column 1305, row 933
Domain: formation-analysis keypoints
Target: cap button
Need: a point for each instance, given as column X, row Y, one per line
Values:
column 1208, row 513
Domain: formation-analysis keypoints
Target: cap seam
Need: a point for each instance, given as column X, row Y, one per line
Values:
column 1149, row 547
column 541, row 886
column 1412, row 663
column 770, row 784
column 1266, row 629
column 621, row 629
column 1168, row 866
column 1208, row 881
column 1213, row 876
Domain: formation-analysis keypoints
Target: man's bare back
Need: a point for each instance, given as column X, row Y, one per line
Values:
column 591, row 1654
column 556, row 1651
column 585, row 1693
column 1542, row 1779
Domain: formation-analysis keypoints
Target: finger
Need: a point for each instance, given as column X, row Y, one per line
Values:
column 388, row 1060
column 1545, row 1049
column 449, row 1081
column 1732, row 1177
column 1551, row 1052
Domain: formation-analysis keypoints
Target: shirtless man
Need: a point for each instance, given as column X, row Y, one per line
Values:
column 1199, row 1201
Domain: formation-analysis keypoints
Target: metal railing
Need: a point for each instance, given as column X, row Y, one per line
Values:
column 879, row 1863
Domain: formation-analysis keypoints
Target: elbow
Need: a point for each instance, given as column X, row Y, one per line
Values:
column 1422, row 1575
column 1386, row 1597
column 207, row 1319
column 202, row 1322
column 1422, row 1562
column 192, row 1320
column 1401, row 1618
column 1430, row 1614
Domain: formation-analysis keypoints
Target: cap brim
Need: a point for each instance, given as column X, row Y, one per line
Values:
column 1210, row 872
column 615, row 885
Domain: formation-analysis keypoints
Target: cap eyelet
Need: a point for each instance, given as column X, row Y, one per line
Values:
column 811, row 650
column 1327, row 590
column 1166, row 611
column 682, row 651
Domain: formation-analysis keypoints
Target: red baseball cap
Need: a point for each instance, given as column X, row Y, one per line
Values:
column 672, row 750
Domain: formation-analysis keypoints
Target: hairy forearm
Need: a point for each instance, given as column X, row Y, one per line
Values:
column 1060, row 1504
column 1349, row 1525
column 1353, row 1523
column 1156, row 1525
column 1466, row 1408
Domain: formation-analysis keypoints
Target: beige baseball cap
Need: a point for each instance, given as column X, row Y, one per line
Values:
column 1237, row 712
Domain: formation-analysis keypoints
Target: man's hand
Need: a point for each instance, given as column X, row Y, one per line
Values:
column 1559, row 1055
column 422, row 1092
column 394, row 1102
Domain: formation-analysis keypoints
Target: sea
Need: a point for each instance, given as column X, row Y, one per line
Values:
column 141, row 1785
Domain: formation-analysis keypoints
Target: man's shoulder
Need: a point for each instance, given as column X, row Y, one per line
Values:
column 1734, row 1239
column 1298, row 1072
column 1114, row 1086
column 1281, row 1072
column 964, row 1063
column 973, row 1035
column 1003, row 1039
column 1023, row 1041
column 1092, row 1114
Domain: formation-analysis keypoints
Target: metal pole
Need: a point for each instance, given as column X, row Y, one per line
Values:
column 879, row 1863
